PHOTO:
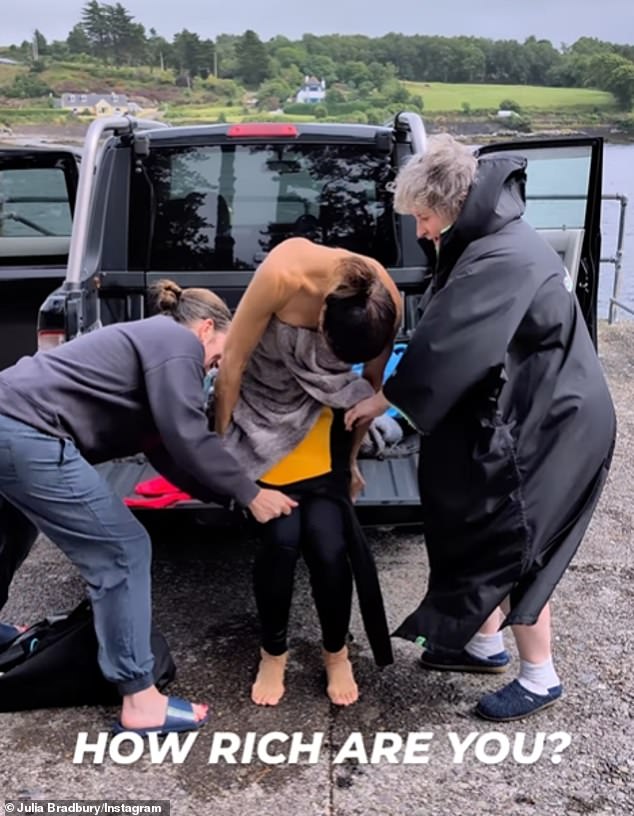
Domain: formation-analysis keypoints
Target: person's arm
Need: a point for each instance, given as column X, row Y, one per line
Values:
column 461, row 340
column 175, row 396
column 270, row 289
column 373, row 373
column 163, row 463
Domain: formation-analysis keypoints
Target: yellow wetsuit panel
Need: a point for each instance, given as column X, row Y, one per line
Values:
column 310, row 458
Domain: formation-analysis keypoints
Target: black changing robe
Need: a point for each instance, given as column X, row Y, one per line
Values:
column 503, row 382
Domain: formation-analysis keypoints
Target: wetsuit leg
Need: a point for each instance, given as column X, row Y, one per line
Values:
column 326, row 554
column 277, row 552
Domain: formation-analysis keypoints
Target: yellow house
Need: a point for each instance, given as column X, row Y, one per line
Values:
column 99, row 104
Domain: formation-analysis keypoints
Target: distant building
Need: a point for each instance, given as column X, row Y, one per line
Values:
column 312, row 91
column 507, row 114
column 99, row 104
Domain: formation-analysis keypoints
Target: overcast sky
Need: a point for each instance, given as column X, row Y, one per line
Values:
column 560, row 21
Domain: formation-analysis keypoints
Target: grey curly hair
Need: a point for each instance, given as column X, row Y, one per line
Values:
column 438, row 179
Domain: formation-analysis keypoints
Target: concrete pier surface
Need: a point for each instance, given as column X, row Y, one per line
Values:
column 203, row 604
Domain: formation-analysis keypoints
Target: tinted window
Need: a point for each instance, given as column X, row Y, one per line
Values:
column 557, row 186
column 223, row 207
column 35, row 212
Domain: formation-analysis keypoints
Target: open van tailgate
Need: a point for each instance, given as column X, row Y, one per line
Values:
column 391, row 495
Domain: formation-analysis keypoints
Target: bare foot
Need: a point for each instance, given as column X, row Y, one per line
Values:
column 268, row 688
column 342, row 688
column 148, row 708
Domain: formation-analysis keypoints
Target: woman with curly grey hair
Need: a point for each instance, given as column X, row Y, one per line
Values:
column 502, row 381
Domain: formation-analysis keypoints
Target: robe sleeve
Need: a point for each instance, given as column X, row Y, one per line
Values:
column 460, row 340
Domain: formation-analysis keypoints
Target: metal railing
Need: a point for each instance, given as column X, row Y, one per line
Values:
column 617, row 259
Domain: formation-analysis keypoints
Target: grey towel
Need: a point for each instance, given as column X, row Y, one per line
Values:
column 290, row 376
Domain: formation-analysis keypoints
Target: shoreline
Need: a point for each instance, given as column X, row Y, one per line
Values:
column 487, row 131
column 480, row 132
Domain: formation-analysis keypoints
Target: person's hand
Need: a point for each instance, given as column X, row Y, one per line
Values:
column 357, row 482
column 270, row 504
column 366, row 410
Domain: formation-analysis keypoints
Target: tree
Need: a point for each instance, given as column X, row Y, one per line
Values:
column 253, row 60
column 77, row 40
column 273, row 94
column 380, row 73
column 41, row 46
column 159, row 50
column 288, row 55
column 615, row 74
column 59, row 51
column 226, row 59
column 322, row 67
column 469, row 63
column 126, row 39
column 395, row 91
column 542, row 60
column 187, row 50
column 335, row 96
column 208, row 58
column 94, row 22
column 112, row 33
column 355, row 72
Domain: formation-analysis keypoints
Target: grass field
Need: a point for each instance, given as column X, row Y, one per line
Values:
column 440, row 97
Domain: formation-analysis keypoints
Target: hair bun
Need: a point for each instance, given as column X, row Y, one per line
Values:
column 358, row 280
column 167, row 294
column 362, row 282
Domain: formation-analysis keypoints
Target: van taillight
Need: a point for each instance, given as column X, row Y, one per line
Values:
column 49, row 340
column 262, row 129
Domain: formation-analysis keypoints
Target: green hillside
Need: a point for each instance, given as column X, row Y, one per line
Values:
column 211, row 99
column 441, row 97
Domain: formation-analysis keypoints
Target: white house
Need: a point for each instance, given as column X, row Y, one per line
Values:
column 312, row 91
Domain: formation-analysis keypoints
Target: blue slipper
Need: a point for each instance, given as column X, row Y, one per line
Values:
column 465, row 662
column 178, row 717
column 514, row 702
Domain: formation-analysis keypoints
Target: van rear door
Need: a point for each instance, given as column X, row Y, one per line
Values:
column 206, row 206
column 563, row 203
column 37, row 199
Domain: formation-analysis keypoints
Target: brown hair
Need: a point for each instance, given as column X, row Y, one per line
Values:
column 188, row 305
column 359, row 315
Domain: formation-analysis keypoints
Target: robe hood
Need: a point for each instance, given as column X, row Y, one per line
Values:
column 496, row 197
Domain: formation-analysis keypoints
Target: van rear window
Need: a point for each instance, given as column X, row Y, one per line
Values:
column 35, row 213
column 225, row 206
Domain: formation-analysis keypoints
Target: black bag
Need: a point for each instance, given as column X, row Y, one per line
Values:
column 54, row 664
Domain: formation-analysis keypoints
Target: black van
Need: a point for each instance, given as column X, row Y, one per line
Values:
column 38, row 186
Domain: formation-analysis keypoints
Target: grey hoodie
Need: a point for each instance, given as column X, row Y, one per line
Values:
column 129, row 388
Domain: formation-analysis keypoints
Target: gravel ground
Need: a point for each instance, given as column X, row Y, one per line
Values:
column 203, row 604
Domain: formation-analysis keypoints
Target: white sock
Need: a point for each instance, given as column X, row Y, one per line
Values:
column 484, row 646
column 538, row 677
